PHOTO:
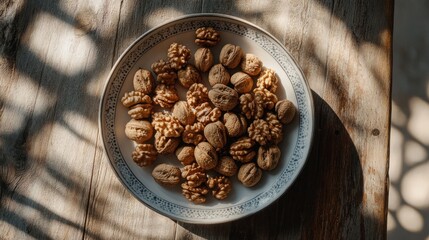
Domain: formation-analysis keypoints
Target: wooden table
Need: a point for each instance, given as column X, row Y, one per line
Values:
column 56, row 182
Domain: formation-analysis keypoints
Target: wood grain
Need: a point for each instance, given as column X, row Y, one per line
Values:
column 56, row 182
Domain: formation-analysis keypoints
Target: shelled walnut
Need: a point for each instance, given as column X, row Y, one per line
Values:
column 268, row 80
column 206, row 114
column 220, row 186
column 193, row 134
column 134, row 97
column 242, row 150
column 166, row 124
column 144, row 154
column 248, row 105
column 194, row 175
column 276, row 128
column 259, row 131
column 197, row 94
column 166, row 145
column 207, row 37
column 251, row 64
column 165, row 95
column 166, row 74
column 178, row 55
column 142, row 109
column 264, row 100
column 196, row 195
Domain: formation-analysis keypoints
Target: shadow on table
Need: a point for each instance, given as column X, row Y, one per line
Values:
column 332, row 176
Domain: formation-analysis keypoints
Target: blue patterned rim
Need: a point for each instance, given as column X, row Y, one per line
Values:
column 241, row 28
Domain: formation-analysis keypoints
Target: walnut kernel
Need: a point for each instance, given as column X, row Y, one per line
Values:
column 188, row 76
column 206, row 36
column 144, row 154
column 251, row 64
column 165, row 95
column 242, row 150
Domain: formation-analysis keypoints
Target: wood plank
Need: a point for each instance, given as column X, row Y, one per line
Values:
column 48, row 125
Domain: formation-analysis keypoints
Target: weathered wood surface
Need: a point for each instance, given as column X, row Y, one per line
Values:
column 56, row 182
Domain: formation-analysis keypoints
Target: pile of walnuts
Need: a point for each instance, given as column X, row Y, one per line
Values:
column 230, row 129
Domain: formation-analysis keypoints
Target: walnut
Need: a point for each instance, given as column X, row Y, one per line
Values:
column 221, row 186
column 166, row 174
column 193, row 134
column 142, row 109
column 230, row 55
column 223, row 97
column 188, row 76
column 166, row 124
column 143, row 81
column 268, row 157
column 197, row 94
column 242, row 82
column 183, row 113
column 206, row 114
column 134, row 97
column 249, row 174
column 264, row 99
column 166, row 74
column 218, row 74
column 194, row 194
column 285, row 111
column 185, row 154
column 248, row 105
column 194, row 175
column 206, row 37
column 226, row 166
column 178, row 55
column 165, row 95
column 138, row 130
column 251, row 64
column 216, row 135
column 203, row 59
column 205, row 155
column 268, row 80
column 165, row 145
column 242, row 150
column 259, row 131
column 235, row 124
column 276, row 131
column 144, row 154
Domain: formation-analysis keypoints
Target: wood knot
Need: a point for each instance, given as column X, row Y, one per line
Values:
column 85, row 22
column 375, row 132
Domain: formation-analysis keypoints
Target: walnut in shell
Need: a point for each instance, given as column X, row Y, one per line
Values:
column 143, row 81
column 165, row 73
column 178, row 55
column 216, row 134
column 193, row 134
column 223, row 97
column 242, row 82
column 285, row 111
column 166, row 124
column 268, row 157
column 235, row 124
column 183, row 113
column 230, row 55
column 165, row 95
column 220, row 186
column 196, row 195
column 251, row 64
column 144, row 154
column 185, row 154
column 268, row 80
column 166, row 174
column 203, row 59
column 206, row 37
column 226, row 166
column 194, row 175
column 205, row 155
column 206, row 114
column 166, row 145
column 138, row 130
column 197, row 94
column 218, row 74
column 188, row 76
column 249, row 174
column 259, row 131
column 242, row 150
